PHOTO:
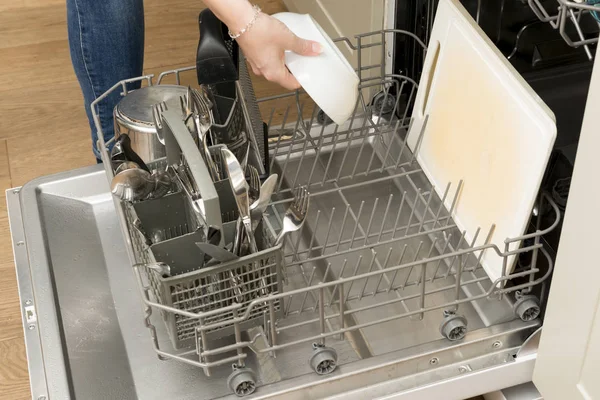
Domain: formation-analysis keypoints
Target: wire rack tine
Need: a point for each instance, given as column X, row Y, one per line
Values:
column 360, row 151
column 357, row 224
column 411, row 268
column 444, row 248
column 342, row 229
column 462, row 238
column 319, row 148
column 412, row 213
column 281, row 131
column 340, row 276
column 354, row 273
column 287, row 158
column 370, row 269
column 310, row 280
column 335, row 142
column 427, row 205
column 384, row 160
column 370, row 221
column 384, row 219
column 383, row 267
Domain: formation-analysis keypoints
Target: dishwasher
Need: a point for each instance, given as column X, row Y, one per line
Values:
column 380, row 293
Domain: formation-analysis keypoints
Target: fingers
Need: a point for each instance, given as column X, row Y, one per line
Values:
column 255, row 70
column 304, row 47
column 280, row 75
column 283, row 77
column 288, row 80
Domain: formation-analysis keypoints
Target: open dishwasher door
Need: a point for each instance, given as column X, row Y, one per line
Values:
column 569, row 354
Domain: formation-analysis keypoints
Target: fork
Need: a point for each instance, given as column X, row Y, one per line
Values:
column 254, row 184
column 202, row 129
column 157, row 111
column 295, row 214
column 253, row 194
column 187, row 107
column 188, row 111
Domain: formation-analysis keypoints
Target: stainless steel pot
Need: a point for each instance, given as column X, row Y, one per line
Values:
column 133, row 116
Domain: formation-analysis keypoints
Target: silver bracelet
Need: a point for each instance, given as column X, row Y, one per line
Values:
column 257, row 11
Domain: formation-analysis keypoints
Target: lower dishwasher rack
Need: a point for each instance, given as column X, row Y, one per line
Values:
column 381, row 295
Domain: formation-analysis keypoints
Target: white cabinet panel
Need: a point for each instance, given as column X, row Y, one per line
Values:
column 569, row 354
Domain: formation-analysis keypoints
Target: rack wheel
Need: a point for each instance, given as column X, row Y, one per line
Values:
column 453, row 327
column 323, row 360
column 242, row 381
column 527, row 307
column 323, row 118
column 382, row 104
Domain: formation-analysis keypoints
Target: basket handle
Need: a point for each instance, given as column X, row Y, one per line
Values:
column 178, row 142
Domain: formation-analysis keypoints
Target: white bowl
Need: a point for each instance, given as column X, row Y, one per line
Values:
column 328, row 78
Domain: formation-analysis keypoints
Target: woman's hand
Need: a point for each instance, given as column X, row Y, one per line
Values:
column 264, row 41
column 264, row 45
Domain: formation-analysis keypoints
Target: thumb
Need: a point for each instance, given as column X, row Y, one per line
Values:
column 305, row 47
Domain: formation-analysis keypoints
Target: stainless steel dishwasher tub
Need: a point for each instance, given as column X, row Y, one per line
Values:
column 85, row 334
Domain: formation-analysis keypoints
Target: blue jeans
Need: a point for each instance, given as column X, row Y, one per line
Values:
column 106, row 41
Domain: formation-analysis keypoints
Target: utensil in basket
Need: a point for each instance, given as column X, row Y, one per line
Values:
column 187, row 106
column 132, row 184
column 202, row 103
column 137, row 224
column 254, row 186
column 162, row 268
column 218, row 253
column 213, row 236
column 254, row 195
column 258, row 207
column 157, row 111
column 187, row 186
column 295, row 214
column 202, row 122
column 244, row 162
column 126, row 165
column 162, row 184
column 221, row 255
column 239, row 186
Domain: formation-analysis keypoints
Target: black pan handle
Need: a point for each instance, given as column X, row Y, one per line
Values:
column 215, row 62
column 124, row 152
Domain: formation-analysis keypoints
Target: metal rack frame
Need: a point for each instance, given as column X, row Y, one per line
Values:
column 337, row 274
column 572, row 11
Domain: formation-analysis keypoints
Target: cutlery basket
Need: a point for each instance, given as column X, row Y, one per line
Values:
column 166, row 230
column 208, row 289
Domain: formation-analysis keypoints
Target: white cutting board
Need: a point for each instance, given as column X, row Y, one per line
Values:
column 486, row 127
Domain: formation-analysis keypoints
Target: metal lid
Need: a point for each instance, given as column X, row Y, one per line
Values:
column 135, row 109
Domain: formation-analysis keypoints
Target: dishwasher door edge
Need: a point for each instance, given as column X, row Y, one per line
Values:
column 48, row 370
column 465, row 385
column 463, row 381
column 29, row 316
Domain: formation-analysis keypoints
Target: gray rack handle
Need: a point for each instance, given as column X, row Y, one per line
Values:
column 178, row 141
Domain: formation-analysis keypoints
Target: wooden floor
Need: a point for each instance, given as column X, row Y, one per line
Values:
column 43, row 127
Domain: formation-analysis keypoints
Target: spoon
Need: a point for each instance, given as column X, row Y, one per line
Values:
column 126, row 165
column 162, row 184
column 132, row 184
